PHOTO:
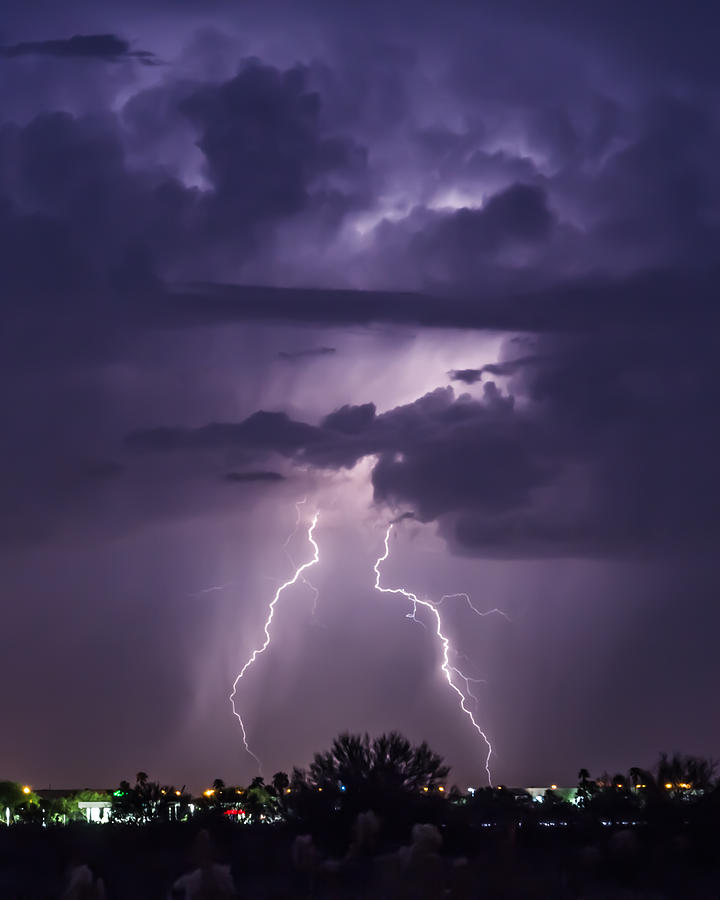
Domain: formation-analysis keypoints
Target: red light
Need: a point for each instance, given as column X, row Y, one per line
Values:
column 234, row 812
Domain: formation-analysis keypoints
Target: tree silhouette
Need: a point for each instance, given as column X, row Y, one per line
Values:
column 260, row 802
column 387, row 775
column 586, row 787
column 23, row 806
column 280, row 783
column 641, row 778
column 681, row 774
column 148, row 801
column 389, row 763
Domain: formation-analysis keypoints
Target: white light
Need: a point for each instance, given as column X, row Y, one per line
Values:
column 445, row 666
column 268, row 621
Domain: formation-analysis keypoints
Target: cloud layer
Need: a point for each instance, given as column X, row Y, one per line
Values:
column 104, row 47
column 590, row 223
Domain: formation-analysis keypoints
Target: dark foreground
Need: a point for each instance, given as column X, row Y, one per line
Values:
column 276, row 862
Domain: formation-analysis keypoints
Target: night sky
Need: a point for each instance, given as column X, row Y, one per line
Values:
column 452, row 264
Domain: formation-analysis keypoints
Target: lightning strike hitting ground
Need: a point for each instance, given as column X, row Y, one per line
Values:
column 271, row 612
column 446, row 667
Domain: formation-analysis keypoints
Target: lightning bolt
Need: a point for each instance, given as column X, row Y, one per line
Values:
column 305, row 581
column 298, row 518
column 271, row 613
column 489, row 612
column 468, row 681
column 447, row 669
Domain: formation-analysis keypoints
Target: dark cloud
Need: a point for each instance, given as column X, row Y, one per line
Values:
column 519, row 214
column 263, row 431
column 403, row 517
column 264, row 150
column 435, row 454
column 606, row 234
column 292, row 355
column 351, row 419
column 570, row 306
column 510, row 262
column 508, row 367
column 469, row 376
column 76, row 201
column 587, row 464
column 243, row 477
column 106, row 47
column 457, row 246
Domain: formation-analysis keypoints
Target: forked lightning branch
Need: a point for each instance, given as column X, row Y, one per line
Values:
column 457, row 680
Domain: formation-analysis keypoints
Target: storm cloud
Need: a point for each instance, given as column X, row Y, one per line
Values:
column 292, row 355
column 595, row 232
column 105, row 47
column 244, row 477
column 586, row 464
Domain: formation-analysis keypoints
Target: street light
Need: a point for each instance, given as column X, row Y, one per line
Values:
column 27, row 789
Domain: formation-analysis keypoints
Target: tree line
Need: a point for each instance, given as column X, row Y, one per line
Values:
column 399, row 781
